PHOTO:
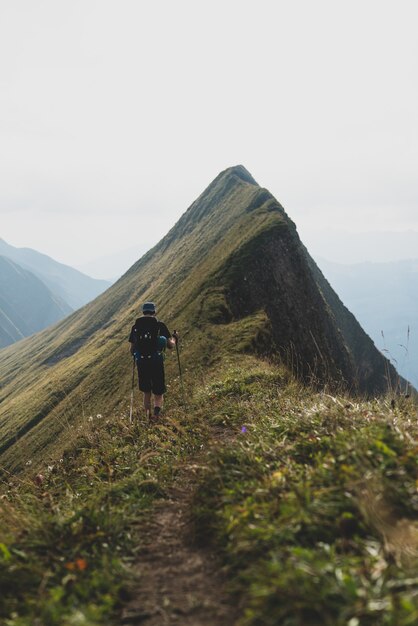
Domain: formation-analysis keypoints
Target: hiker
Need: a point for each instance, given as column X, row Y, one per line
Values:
column 148, row 340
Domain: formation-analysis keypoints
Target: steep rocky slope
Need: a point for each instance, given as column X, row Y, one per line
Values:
column 233, row 276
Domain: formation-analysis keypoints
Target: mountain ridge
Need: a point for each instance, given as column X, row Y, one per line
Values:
column 233, row 276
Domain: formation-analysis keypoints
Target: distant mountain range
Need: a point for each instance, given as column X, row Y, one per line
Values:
column 36, row 291
column 384, row 298
column 234, row 277
column 26, row 303
column 74, row 287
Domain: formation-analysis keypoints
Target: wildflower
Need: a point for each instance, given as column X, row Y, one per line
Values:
column 243, row 429
column 78, row 564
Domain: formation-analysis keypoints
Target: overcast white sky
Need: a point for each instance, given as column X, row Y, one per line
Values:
column 116, row 114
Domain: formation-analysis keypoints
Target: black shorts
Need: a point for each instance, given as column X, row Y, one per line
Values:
column 151, row 374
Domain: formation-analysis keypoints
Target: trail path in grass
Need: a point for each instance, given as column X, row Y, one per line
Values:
column 179, row 581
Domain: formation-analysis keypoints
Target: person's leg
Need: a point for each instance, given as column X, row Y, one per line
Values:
column 158, row 404
column 147, row 403
column 158, row 385
column 144, row 381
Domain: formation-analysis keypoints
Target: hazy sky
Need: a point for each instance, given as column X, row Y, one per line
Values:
column 116, row 114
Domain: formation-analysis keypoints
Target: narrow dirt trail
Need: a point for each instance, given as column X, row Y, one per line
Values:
column 179, row 582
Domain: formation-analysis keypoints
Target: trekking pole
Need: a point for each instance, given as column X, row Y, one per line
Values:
column 178, row 361
column 132, row 390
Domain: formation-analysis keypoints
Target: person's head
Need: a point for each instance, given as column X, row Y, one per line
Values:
column 148, row 308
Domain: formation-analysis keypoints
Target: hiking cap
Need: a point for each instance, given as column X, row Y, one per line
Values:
column 148, row 307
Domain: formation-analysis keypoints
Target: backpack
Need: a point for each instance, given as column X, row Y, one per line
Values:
column 146, row 332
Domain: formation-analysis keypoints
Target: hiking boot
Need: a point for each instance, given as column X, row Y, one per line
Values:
column 157, row 414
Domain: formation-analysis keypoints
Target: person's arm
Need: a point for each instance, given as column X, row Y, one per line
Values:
column 171, row 342
column 171, row 338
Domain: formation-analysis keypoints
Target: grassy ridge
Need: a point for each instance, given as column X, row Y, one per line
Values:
column 314, row 506
column 311, row 504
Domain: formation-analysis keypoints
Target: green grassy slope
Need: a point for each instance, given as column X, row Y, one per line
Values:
column 313, row 505
column 310, row 503
column 232, row 275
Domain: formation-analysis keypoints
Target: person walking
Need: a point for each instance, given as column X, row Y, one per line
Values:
column 149, row 337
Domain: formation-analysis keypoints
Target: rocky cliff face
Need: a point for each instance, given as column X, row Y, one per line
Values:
column 308, row 324
column 310, row 327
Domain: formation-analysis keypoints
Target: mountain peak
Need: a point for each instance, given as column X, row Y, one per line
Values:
column 217, row 202
column 241, row 172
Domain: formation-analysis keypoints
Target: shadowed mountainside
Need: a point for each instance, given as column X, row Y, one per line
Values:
column 233, row 276
column 26, row 304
